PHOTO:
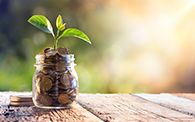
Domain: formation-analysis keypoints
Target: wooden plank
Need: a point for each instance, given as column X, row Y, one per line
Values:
column 180, row 104
column 125, row 107
column 190, row 96
column 33, row 114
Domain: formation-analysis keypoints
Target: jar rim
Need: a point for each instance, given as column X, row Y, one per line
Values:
column 44, row 64
column 66, row 58
column 64, row 55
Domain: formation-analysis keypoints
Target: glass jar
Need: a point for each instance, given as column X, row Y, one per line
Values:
column 55, row 81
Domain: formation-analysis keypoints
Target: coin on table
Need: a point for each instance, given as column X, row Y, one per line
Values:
column 44, row 99
column 21, row 98
column 63, row 99
column 44, row 83
column 21, row 103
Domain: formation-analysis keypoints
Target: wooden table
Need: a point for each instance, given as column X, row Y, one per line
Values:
column 107, row 107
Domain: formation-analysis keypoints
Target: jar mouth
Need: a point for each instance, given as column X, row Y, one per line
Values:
column 42, row 59
column 51, row 65
column 63, row 55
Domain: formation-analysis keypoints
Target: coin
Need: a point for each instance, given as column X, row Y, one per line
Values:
column 44, row 100
column 21, row 103
column 40, row 61
column 50, row 59
column 44, row 71
column 66, row 80
column 63, row 51
column 46, row 50
column 63, row 99
column 39, row 75
column 21, row 98
column 63, row 88
column 73, row 73
column 60, row 66
column 47, row 70
column 40, row 58
column 50, row 53
column 44, row 83
column 72, row 91
column 38, row 86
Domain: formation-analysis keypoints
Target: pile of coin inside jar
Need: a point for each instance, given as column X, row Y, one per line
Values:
column 55, row 82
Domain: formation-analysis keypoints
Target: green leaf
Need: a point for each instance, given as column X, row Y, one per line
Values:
column 59, row 23
column 42, row 23
column 62, row 27
column 75, row 33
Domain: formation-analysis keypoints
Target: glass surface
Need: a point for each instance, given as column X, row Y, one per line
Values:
column 55, row 84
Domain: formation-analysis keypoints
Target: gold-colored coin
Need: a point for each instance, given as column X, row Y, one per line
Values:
column 73, row 92
column 21, row 98
column 44, row 100
column 66, row 80
column 46, row 50
column 40, row 58
column 47, row 70
column 62, row 51
column 60, row 66
column 64, row 99
column 44, row 71
column 50, row 53
column 38, row 86
column 41, row 61
column 44, row 83
column 21, row 103
column 73, row 73
column 39, row 75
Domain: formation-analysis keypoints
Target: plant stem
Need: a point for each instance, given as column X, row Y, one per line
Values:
column 58, row 32
column 54, row 45
column 56, row 40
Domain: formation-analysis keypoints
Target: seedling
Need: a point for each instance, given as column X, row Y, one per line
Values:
column 42, row 23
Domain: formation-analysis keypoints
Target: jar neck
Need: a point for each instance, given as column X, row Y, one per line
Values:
column 62, row 60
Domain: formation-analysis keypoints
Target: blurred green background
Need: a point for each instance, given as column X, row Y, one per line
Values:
column 138, row 46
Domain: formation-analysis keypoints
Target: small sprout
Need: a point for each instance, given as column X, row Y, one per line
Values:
column 42, row 23
column 59, row 23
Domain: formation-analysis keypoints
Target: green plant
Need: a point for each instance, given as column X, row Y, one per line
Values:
column 44, row 24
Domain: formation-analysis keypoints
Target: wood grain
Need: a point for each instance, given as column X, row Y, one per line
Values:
column 33, row 114
column 190, row 96
column 180, row 104
column 124, row 108
column 106, row 107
